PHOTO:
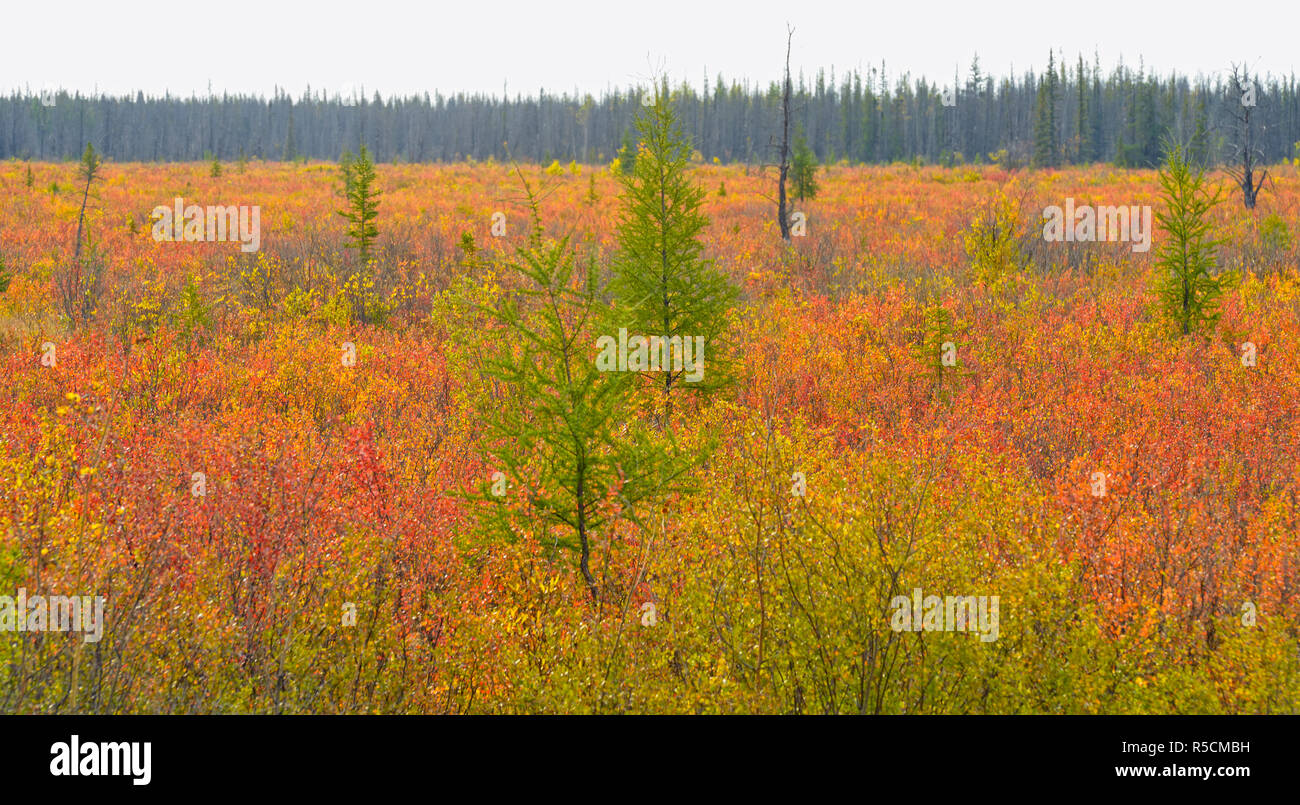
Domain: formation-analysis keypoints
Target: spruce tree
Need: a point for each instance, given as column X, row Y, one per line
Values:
column 1083, row 124
column 1095, row 109
column 1045, row 142
column 560, row 431
column 346, row 162
column 803, row 169
column 1188, row 288
column 1147, row 134
column 290, row 144
column 627, row 153
column 1199, row 150
column 663, row 285
column 363, row 205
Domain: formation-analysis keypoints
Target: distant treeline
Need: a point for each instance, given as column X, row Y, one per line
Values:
column 1121, row 116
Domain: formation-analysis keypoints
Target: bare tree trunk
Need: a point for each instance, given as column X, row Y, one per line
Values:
column 81, row 219
column 782, row 216
column 585, row 561
column 76, row 284
column 1244, row 175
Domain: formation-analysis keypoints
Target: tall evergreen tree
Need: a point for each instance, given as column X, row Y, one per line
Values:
column 1189, row 288
column 1096, row 111
column 1083, row 122
column 803, row 169
column 663, row 284
column 1147, row 132
column 1046, row 149
column 627, row 153
column 362, row 205
column 290, row 143
column 559, row 432
column 1198, row 152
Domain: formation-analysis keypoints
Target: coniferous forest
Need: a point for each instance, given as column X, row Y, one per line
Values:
column 1119, row 115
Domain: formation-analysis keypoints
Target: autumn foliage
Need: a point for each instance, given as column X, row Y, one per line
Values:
column 336, row 559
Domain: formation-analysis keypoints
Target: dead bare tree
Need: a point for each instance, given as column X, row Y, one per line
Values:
column 77, row 285
column 89, row 173
column 782, row 216
column 1246, row 154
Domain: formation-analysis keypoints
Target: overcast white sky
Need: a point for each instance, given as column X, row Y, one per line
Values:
column 405, row 47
